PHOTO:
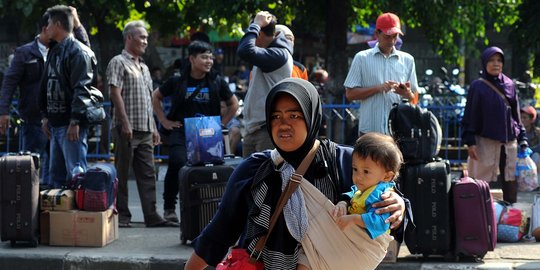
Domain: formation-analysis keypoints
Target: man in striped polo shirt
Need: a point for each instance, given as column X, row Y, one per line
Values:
column 381, row 76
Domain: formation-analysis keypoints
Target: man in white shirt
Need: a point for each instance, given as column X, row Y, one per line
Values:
column 381, row 76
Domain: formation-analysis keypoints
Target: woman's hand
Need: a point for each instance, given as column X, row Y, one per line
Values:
column 471, row 150
column 392, row 203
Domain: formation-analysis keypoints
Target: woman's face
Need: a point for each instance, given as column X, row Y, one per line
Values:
column 289, row 129
column 494, row 65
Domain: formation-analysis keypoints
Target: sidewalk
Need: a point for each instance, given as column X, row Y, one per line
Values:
column 159, row 248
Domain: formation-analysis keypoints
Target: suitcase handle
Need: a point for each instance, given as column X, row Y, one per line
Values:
column 466, row 178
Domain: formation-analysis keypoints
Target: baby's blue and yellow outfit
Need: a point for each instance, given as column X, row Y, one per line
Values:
column 361, row 204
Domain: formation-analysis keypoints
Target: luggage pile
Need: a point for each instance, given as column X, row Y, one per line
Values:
column 454, row 219
column 81, row 214
column 84, row 213
column 92, row 221
column 512, row 222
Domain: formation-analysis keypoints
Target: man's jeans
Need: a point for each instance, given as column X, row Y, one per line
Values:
column 35, row 141
column 64, row 154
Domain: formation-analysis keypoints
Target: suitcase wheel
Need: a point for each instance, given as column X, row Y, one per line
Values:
column 34, row 242
column 450, row 257
column 13, row 243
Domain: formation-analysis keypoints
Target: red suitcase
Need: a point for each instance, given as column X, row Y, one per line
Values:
column 476, row 228
column 19, row 198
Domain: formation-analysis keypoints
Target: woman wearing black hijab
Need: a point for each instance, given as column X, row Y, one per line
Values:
column 491, row 125
column 294, row 113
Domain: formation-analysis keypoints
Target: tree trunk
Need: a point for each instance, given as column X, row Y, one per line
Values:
column 336, row 45
column 337, row 67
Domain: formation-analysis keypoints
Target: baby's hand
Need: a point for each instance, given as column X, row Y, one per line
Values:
column 345, row 221
column 339, row 210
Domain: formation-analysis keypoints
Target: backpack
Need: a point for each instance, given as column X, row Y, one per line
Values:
column 97, row 188
column 416, row 131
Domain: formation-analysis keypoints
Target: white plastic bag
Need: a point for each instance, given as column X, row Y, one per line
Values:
column 526, row 174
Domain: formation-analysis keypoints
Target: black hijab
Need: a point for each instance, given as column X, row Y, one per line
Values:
column 307, row 96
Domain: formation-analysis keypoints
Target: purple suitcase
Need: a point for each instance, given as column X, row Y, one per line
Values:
column 476, row 228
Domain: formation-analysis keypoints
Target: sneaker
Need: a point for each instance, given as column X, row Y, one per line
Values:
column 170, row 215
column 124, row 225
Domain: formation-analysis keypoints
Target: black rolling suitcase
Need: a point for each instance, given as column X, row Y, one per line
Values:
column 19, row 198
column 201, row 188
column 427, row 186
column 230, row 159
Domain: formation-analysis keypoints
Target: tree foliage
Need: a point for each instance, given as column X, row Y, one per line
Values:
column 458, row 28
column 455, row 28
column 526, row 33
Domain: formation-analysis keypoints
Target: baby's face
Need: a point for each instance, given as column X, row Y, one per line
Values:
column 367, row 173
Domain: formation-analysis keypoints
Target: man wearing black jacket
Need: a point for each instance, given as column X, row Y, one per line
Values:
column 68, row 75
column 25, row 74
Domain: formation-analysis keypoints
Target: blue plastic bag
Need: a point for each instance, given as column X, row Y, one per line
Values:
column 204, row 140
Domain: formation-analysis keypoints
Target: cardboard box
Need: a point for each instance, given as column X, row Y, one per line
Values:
column 83, row 228
column 44, row 227
column 392, row 252
column 57, row 199
column 496, row 194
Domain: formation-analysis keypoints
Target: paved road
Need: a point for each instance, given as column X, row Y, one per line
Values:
column 160, row 248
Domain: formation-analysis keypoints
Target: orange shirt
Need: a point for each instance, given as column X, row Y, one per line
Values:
column 299, row 71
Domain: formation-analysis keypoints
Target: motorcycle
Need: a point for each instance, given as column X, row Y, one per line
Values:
column 442, row 91
column 445, row 97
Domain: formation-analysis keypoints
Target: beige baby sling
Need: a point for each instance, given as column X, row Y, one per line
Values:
column 327, row 247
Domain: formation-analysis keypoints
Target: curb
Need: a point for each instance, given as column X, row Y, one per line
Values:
column 48, row 261
column 88, row 262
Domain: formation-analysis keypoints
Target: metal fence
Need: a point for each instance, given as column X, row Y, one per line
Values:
column 339, row 124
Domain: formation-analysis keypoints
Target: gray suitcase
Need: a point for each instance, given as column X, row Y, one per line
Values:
column 19, row 198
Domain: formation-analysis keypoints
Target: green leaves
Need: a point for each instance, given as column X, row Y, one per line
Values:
column 456, row 29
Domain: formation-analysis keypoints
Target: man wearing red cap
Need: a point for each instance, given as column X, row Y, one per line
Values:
column 381, row 76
